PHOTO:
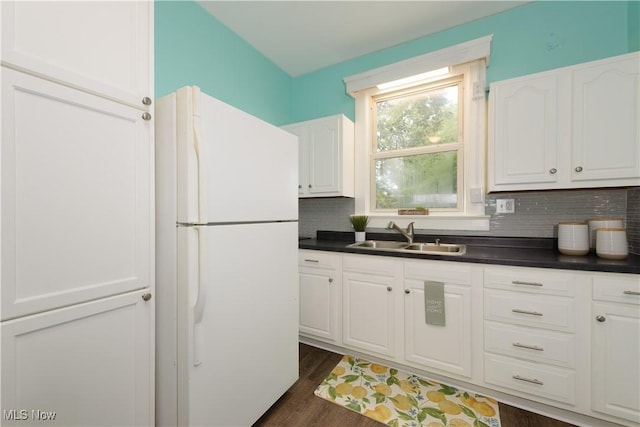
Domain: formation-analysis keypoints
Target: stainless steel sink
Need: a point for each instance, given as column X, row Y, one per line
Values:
column 425, row 248
column 437, row 248
column 379, row 244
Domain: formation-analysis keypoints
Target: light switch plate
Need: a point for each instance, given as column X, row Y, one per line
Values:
column 505, row 206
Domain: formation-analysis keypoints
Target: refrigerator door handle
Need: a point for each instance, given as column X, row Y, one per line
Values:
column 201, row 298
column 202, row 174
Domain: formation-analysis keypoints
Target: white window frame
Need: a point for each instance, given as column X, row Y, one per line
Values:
column 470, row 58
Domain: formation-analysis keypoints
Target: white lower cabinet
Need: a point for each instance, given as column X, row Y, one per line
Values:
column 81, row 365
column 529, row 332
column 615, row 341
column 558, row 339
column 320, row 295
column 369, row 303
column 444, row 348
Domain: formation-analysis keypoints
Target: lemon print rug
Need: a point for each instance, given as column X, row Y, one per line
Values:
column 400, row 399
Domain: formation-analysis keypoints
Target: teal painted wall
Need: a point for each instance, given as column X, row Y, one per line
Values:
column 194, row 48
column 531, row 38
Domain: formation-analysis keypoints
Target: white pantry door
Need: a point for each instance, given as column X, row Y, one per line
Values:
column 86, row 365
column 105, row 47
column 76, row 203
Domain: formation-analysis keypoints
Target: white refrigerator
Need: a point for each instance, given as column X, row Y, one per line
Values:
column 226, row 272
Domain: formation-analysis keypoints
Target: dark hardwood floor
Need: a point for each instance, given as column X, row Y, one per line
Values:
column 300, row 407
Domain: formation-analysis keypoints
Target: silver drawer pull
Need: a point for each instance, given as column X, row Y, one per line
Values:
column 532, row 313
column 528, row 380
column 521, row 282
column 530, row 347
column 631, row 293
column 311, row 260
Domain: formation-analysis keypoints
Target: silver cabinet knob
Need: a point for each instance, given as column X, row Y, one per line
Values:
column 146, row 297
column 601, row 318
column 553, row 171
column 146, row 116
column 579, row 169
column 146, row 100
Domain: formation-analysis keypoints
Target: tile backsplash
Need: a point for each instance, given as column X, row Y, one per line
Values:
column 537, row 213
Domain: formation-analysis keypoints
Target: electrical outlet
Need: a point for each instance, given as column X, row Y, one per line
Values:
column 505, row 206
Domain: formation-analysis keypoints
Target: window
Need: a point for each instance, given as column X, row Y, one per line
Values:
column 420, row 142
column 417, row 145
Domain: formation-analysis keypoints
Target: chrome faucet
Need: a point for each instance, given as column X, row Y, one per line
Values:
column 407, row 234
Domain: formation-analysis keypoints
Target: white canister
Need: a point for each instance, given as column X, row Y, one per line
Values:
column 573, row 238
column 611, row 243
column 596, row 223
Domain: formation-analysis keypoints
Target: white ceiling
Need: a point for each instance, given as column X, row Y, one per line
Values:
column 304, row 36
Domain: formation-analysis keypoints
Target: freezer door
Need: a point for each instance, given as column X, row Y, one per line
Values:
column 238, row 314
column 231, row 166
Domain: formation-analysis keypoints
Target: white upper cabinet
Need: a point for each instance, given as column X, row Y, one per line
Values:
column 76, row 203
column 105, row 47
column 326, row 159
column 605, row 140
column 574, row 127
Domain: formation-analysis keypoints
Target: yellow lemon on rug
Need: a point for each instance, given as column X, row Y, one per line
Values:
column 434, row 424
column 401, row 402
column 435, row 396
column 359, row 392
column 338, row 370
column 408, row 387
column 449, row 407
column 378, row 369
column 344, row 388
column 380, row 413
column 457, row 422
column 468, row 401
column 484, row 408
column 383, row 389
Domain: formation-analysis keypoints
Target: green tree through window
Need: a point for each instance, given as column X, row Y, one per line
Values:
column 417, row 144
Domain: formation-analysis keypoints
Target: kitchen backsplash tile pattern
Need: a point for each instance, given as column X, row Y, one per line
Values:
column 633, row 220
column 537, row 213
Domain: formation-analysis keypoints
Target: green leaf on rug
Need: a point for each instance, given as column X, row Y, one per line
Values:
column 405, row 416
column 353, row 405
column 435, row 413
column 332, row 393
column 447, row 389
column 350, row 378
column 468, row 412
column 478, row 423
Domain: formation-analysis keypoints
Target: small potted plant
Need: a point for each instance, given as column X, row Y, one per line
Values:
column 359, row 223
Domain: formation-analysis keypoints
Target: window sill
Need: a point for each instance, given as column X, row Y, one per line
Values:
column 433, row 222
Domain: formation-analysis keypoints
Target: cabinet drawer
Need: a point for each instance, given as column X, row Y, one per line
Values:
column 617, row 288
column 541, row 311
column 441, row 271
column 530, row 280
column 525, row 377
column 531, row 344
column 318, row 259
column 385, row 266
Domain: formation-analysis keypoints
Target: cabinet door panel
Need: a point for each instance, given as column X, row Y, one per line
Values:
column 76, row 202
column 615, row 384
column 324, row 149
column 368, row 313
column 318, row 310
column 525, row 131
column 103, row 46
column 606, row 123
column 448, row 347
column 91, row 364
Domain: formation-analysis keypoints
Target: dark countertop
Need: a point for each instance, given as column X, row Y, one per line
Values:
column 523, row 252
